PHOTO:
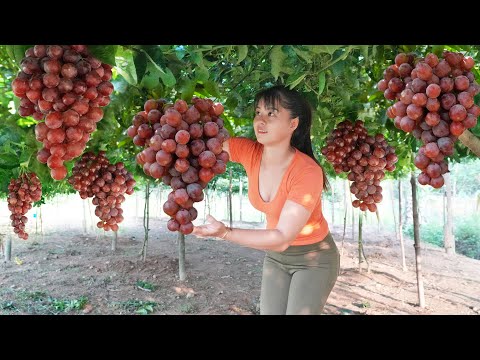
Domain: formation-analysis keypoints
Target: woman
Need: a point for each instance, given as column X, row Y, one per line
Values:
column 285, row 182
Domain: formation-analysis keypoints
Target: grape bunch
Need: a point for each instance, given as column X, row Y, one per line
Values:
column 434, row 100
column 182, row 146
column 365, row 158
column 94, row 176
column 22, row 192
column 67, row 87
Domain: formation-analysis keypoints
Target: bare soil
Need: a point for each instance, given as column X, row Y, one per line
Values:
column 67, row 272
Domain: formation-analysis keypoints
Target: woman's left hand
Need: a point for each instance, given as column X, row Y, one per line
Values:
column 213, row 228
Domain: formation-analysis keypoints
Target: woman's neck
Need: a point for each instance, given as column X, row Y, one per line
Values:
column 279, row 154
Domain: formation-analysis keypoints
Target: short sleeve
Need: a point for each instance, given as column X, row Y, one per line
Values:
column 241, row 150
column 306, row 187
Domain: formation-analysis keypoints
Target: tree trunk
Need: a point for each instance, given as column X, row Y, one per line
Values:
column 114, row 241
column 146, row 220
column 400, row 226
column 8, row 248
column 230, row 207
column 181, row 256
column 416, row 235
column 241, row 197
column 448, row 236
column 470, row 141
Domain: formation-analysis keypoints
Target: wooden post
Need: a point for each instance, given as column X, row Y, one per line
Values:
column 92, row 223
column 8, row 248
column 448, row 236
column 333, row 204
column 2, row 247
column 146, row 220
column 114, row 241
column 230, row 207
column 345, row 206
column 181, row 256
column 241, row 197
column 416, row 235
column 84, row 222
column 400, row 226
column 470, row 141
column 41, row 223
column 206, row 200
column 360, row 237
column 353, row 219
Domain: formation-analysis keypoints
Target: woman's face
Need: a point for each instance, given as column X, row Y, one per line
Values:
column 272, row 124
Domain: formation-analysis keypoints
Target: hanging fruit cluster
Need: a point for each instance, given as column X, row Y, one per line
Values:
column 67, row 87
column 434, row 100
column 22, row 192
column 365, row 158
column 183, row 147
column 94, row 176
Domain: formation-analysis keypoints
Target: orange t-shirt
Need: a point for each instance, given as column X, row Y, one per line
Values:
column 301, row 183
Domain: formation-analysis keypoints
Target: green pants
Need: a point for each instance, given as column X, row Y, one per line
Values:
column 299, row 280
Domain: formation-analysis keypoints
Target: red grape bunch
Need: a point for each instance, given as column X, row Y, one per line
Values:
column 22, row 192
column 94, row 176
column 365, row 158
column 434, row 100
column 183, row 147
column 67, row 87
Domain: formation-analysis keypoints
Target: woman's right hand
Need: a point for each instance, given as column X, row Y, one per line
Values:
column 213, row 228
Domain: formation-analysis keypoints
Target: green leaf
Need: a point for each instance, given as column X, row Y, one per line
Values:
column 142, row 311
column 168, row 78
column 242, row 52
column 8, row 161
column 277, row 57
column 231, row 102
column 105, row 53
column 201, row 74
column 151, row 79
column 17, row 52
column 187, row 89
column 330, row 49
column 304, row 55
column 126, row 66
column 140, row 61
column 438, row 49
column 295, row 79
column 321, row 82
column 212, row 88
column 364, row 50
column 197, row 57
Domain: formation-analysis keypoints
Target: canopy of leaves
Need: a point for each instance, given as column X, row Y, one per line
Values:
column 339, row 81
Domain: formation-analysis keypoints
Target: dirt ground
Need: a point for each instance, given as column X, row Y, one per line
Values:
column 69, row 272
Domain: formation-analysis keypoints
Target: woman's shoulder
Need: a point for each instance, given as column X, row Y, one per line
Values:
column 304, row 164
column 241, row 141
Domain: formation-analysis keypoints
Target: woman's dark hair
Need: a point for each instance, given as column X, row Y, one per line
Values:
column 299, row 107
